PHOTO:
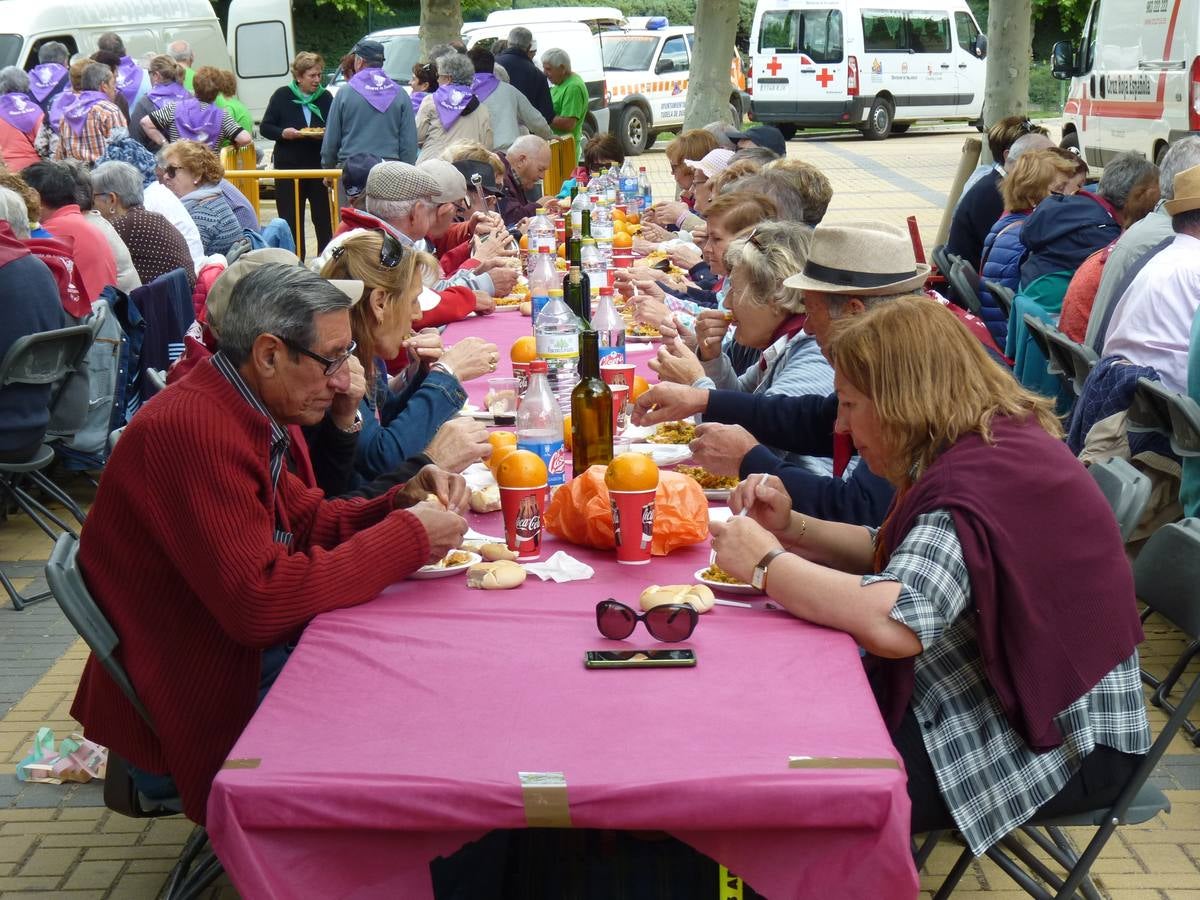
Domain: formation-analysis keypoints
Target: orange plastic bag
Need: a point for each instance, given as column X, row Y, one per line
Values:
column 580, row 512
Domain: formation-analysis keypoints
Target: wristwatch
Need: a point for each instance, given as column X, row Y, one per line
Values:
column 440, row 366
column 758, row 580
column 356, row 426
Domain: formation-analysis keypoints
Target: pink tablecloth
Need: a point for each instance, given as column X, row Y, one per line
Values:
column 397, row 730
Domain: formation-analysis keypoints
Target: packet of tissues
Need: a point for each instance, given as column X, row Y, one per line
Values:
column 76, row 759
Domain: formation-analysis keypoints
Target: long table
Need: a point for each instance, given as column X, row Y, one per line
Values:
column 408, row 726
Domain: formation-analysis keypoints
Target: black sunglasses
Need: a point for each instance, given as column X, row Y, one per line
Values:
column 331, row 364
column 753, row 240
column 170, row 171
column 391, row 251
column 671, row 622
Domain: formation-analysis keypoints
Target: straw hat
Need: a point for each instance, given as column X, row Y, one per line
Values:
column 860, row 259
column 1187, row 192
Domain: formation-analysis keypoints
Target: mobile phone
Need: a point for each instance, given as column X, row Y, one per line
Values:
column 638, row 659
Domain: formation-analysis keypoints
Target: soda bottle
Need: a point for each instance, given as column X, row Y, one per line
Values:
column 591, row 410
column 644, row 188
column 576, row 291
column 609, row 325
column 556, row 334
column 628, row 188
column 602, row 231
column 540, row 424
column 593, row 264
column 541, row 232
column 543, row 276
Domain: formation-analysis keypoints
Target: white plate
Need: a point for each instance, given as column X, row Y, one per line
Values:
column 641, row 338
column 636, row 346
column 664, row 454
column 516, row 307
column 726, row 588
column 440, row 572
column 718, row 495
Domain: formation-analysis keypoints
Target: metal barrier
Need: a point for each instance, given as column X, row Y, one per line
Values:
column 562, row 164
column 247, row 181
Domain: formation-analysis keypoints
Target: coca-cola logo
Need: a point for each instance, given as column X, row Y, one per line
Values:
column 616, row 357
column 528, row 526
column 558, row 461
column 529, row 519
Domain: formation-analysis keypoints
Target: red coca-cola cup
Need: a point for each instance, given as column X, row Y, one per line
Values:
column 633, row 525
column 623, row 259
column 522, row 508
column 521, row 373
column 617, row 374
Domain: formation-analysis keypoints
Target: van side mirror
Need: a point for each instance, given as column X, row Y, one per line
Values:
column 979, row 46
column 1062, row 61
column 664, row 65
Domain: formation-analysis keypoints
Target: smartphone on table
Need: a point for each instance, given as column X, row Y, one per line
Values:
column 638, row 659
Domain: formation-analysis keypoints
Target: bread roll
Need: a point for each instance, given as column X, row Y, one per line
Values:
column 485, row 500
column 526, row 308
column 698, row 596
column 494, row 552
column 495, row 576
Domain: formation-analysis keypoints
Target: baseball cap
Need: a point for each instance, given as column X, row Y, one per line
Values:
column 355, row 170
column 370, row 51
column 487, row 175
column 452, row 186
column 393, row 180
column 763, row 136
column 714, row 162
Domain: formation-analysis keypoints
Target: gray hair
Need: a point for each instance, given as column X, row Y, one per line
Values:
column 13, row 211
column 529, row 144
column 14, row 80
column 778, row 251
column 111, row 41
column 53, row 52
column 556, row 57
column 720, row 130
column 95, row 76
column 391, row 211
column 180, row 51
column 1121, row 175
column 520, row 39
column 1024, row 144
column 1181, row 156
column 760, row 155
column 457, row 67
column 280, row 300
column 787, row 196
column 121, row 179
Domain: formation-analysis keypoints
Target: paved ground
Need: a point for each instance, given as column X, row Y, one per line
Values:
column 62, row 842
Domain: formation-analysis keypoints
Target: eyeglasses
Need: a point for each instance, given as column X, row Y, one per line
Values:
column 170, row 171
column 332, row 365
column 1027, row 127
column 672, row 622
column 390, row 252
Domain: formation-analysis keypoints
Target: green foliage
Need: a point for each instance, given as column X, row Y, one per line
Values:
column 1045, row 91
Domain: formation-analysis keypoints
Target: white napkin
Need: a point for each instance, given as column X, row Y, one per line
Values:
column 561, row 567
column 478, row 476
column 719, row 514
column 473, row 535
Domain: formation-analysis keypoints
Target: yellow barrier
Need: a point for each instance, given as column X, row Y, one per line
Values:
column 247, row 181
column 562, row 164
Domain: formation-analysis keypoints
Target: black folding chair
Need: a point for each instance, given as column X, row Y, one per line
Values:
column 1073, row 359
column 1039, row 331
column 1156, row 407
column 198, row 867
column 965, row 281
column 1002, row 295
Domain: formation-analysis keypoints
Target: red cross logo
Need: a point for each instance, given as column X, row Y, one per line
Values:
column 774, row 66
column 825, row 77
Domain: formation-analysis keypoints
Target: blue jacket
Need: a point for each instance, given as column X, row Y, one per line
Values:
column 1003, row 253
column 1063, row 231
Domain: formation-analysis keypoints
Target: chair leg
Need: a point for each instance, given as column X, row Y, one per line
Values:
column 18, row 601
column 178, row 877
column 58, row 494
column 921, row 854
column 956, row 873
column 1168, row 683
column 32, row 508
column 199, row 880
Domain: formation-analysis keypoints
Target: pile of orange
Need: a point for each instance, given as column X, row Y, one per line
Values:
column 524, row 349
column 503, row 443
column 640, row 386
column 631, row 472
column 521, row 469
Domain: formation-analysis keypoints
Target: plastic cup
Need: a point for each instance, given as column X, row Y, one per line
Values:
column 633, row 525
column 623, row 259
column 521, row 375
column 618, row 374
column 560, row 230
column 621, row 445
column 522, row 508
column 620, row 395
column 501, row 397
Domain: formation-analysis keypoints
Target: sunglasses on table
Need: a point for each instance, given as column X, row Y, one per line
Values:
column 671, row 623
column 331, row 364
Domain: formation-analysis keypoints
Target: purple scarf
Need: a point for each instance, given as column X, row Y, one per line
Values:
column 19, row 111
column 484, row 84
column 375, row 87
column 417, row 97
column 44, row 78
column 58, row 106
column 450, row 100
column 76, row 107
column 129, row 79
column 196, row 121
column 162, row 94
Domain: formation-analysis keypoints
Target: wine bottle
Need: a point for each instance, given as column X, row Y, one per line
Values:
column 591, row 410
column 577, row 292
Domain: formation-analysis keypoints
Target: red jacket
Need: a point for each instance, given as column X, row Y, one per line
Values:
column 453, row 249
column 93, row 257
column 57, row 254
column 184, row 564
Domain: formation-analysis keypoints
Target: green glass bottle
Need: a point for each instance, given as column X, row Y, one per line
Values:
column 585, row 227
column 591, row 410
column 575, row 289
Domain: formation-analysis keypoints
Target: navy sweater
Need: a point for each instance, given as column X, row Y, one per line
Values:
column 802, row 425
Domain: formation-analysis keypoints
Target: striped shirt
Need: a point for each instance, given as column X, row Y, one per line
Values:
column 164, row 120
column 990, row 779
column 89, row 145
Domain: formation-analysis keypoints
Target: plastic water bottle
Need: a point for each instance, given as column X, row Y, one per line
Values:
column 556, row 333
column 581, row 202
column 607, row 322
column 593, row 263
column 541, row 232
column 602, row 231
column 644, row 188
column 543, row 276
column 610, row 185
column 628, row 188
column 540, row 423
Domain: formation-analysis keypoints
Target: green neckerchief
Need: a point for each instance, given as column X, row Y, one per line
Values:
column 308, row 100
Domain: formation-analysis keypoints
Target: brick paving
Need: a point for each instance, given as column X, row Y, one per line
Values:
column 61, row 841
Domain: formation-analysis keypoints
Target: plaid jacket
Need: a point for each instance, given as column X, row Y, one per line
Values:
column 88, row 146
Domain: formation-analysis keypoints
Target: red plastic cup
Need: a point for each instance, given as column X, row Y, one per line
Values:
column 620, row 395
column 521, row 373
column 618, row 374
column 560, row 230
column 522, row 508
column 623, row 259
column 633, row 525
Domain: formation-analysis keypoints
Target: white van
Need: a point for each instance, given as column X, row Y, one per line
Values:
column 259, row 48
column 1135, row 80
column 874, row 65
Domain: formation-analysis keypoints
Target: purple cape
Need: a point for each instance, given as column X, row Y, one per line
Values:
column 375, row 87
column 75, row 110
column 44, row 78
column 450, row 100
column 19, row 111
column 129, row 79
column 196, row 121
column 417, row 97
column 162, row 94
column 484, row 84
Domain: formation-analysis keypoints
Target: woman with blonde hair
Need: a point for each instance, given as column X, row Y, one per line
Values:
column 166, row 86
column 414, row 411
column 1003, row 656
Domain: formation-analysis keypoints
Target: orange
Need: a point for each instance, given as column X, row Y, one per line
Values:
column 567, row 431
column 521, row 469
column 523, row 243
column 500, row 439
column 631, row 472
column 622, row 239
column 634, row 219
column 618, row 215
column 498, row 455
column 524, row 349
column 562, row 251
column 640, row 386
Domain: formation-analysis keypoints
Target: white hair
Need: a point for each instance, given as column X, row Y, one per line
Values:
column 556, row 57
column 529, row 144
column 14, row 212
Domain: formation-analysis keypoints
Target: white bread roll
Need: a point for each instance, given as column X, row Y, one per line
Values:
column 501, row 575
column 486, row 499
column 494, row 552
column 698, row 596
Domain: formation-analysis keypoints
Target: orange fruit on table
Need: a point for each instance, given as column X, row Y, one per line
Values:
column 521, row 469
column 567, row 431
column 618, row 215
column 640, row 386
column 634, row 219
column 631, row 472
column 500, row 439
column 524, row 349
column 622, row 239
column 523, row 243
column 498, row 455
column 562, row 250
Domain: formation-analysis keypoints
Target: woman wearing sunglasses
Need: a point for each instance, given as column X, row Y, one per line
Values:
column 193, row 173
column 1003, row 654
column 414, row 411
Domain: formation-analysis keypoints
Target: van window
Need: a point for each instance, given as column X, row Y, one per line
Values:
column 967, row 31
column 883, row 30
column 10, row 47
column 261, row 49
column 929, row 32
column 629, row 52
column 1089, row 53
column 817, row 33
column 403, row 52
column 675, row 50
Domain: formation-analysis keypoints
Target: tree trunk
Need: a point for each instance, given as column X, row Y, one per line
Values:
column 1006, row 86
column 708, row 80
column 441, row 23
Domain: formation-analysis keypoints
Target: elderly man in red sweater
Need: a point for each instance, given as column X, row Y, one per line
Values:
column 208, row 557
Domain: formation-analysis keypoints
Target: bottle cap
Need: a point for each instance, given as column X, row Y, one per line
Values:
column 586, row 241
column 538, row 366
column 556, row 292
column 604, row 289
column 543, row 249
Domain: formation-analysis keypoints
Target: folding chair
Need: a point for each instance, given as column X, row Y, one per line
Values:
column 965, row 281
column 1125, row 488
column 157, row 379
column 1073, row 359
column 1157, row 408
column 1167, row 575
column 197, row 867
column 47, row 357
column 1039, row 330
column 1002, row 295
column 942, row 259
